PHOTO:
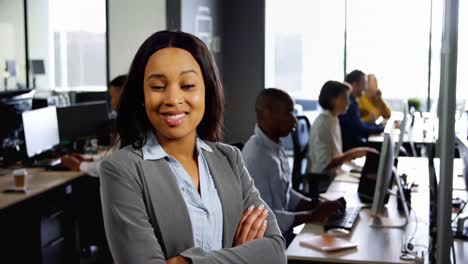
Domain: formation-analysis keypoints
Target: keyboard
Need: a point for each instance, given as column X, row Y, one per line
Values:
column 57, row 167
column 345, row 221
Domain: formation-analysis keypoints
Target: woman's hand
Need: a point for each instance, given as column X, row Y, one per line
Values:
column 177, row 260
column 252, row 225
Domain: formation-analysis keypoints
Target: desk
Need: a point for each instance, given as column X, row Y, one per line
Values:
column 374, row 245
column 459, row 190
column 415, row 141
column 461, row 246
column 54, row 221
column 39, row 182
column 458, row 180
column 423, row 131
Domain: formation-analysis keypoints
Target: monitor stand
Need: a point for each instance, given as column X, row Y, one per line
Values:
column 386, row 222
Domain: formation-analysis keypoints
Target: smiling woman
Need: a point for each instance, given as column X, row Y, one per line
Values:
column 151, row 71
column 174, row 100
column 173, row 194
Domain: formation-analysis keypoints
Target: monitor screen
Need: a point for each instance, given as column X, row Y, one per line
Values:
column 404, row 126
column 384, row 174
column 37, row 67
column 83, row 120
column 40, row 130
column 10, row 66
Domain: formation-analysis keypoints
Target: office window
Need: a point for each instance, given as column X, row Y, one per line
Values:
column 391, row 40
column 12, row 45
column 304, row 45
column 79, row 44
column 462, row 77
column 462, row 63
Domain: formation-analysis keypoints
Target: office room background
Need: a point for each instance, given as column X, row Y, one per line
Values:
column 62, row 52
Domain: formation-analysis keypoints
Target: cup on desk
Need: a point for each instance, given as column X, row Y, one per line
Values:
column 20, row 178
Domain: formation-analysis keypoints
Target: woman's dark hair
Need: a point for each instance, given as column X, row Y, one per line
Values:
column 354, row 76
column 132, row 121
column 330, row 91
column 119, row 81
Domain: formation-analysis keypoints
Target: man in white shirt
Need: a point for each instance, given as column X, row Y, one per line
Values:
column 267, row 163
column 91, row 165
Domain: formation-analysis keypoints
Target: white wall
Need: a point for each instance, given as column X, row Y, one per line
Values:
column 130, row 23
column 12, row 38
column 40, row 41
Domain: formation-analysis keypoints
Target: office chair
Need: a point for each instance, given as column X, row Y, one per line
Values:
column 300, row 138
column 239, row 145
column 309, row 184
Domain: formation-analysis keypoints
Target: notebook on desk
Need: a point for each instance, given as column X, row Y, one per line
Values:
column 327, row 243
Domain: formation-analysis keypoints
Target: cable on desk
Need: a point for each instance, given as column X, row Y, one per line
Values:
column 407, row 252
column 416, row 224
column 454, row 257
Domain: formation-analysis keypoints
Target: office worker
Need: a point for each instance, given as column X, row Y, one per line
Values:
column 90, row 166
column 267, row 163
column 371, row 104
column 354, row 131
column 325, row 144
column 173, row 193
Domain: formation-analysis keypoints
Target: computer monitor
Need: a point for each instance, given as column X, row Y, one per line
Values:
column 385, row 174
column 40, row 130
column 37, row 67
column 404, row 125
column 84, row 120
column 10, row 67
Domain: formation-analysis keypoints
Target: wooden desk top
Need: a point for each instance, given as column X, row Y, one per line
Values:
column 375, row 245
column 39, row 181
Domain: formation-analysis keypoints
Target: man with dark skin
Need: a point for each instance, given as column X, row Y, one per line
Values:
column 266, row 161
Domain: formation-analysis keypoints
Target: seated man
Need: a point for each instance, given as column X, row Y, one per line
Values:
column 353, row 130
column 90, row 166
column 267, row 164
column 371, row 104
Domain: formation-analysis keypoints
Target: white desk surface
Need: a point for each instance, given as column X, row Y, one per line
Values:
column 375, row 245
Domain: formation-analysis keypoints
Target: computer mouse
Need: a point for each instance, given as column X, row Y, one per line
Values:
column 338, row 232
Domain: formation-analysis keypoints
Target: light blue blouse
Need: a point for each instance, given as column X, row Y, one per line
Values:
column 205, row 210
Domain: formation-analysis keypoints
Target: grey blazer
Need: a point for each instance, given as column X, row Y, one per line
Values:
column 147, row 221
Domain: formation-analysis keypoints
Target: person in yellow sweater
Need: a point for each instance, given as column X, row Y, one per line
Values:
column 371, row 104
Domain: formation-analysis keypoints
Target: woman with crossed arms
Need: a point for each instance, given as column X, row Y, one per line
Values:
column 174, row 194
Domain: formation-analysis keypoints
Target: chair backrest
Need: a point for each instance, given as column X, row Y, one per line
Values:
column 239, row 145
column 300, row 138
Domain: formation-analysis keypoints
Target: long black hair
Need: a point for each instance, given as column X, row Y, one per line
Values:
column 132, row 121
